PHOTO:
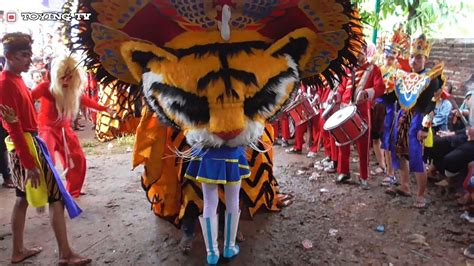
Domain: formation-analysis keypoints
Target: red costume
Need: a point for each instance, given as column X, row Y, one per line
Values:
column 375, row 87
column 315, row 126
column 325, row 138
column 59, row 136
column 282, row 123
column 15, row 94
column 92, row 91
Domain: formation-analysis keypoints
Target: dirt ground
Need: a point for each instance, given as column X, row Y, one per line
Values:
column 339, row 221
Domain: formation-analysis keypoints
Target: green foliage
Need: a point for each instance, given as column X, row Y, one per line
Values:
column 421, row 15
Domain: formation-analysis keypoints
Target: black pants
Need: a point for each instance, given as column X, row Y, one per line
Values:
column 4, row 168
column 458, row 159
column 442, row 146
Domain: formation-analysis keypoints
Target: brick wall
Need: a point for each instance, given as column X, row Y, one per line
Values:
column 458, row 57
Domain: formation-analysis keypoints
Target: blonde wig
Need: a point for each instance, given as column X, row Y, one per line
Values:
column 67, row 99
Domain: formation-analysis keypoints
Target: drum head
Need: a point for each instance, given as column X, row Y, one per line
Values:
column 340, row 117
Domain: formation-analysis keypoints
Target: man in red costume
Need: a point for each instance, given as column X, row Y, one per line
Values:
column 312, row 93
column 60, row 101
column 30, row 166
column 329, row 162
column 362, row 95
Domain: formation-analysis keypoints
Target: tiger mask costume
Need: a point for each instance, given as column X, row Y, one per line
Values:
column 219, row 93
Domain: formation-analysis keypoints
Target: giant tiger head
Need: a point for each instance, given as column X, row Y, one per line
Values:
column 218, row 92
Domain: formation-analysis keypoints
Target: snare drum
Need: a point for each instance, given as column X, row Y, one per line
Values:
column 302, row 111
column 346, row 125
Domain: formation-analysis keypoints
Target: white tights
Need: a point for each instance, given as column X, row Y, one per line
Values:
column 211, row 198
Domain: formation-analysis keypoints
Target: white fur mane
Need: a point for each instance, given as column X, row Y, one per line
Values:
column 67, row 100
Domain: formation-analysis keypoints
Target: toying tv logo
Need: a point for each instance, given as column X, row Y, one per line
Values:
column 11, row 16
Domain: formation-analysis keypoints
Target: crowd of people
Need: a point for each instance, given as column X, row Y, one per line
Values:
column 413, row 126
column 402, row 109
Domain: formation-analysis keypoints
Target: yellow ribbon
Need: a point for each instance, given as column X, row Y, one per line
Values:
column 429, row 141
column 36, row 197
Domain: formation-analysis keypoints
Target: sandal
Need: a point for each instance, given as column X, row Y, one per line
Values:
column 389, row 181
column 403, row 193
column 377, row 171
column 420, row 203
column 393, row 191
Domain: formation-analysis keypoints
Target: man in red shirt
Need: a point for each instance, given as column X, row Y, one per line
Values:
column 362, row 95
column 28, row 157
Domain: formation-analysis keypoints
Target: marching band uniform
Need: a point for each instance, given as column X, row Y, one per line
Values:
column 330, row 148
column 313, row 94
column 324, row 135
column 374, row 87
column 282, row 123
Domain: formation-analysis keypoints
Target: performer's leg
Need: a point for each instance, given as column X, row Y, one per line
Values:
column 299, row 137
column 19, row 252
column 232, row 216
column 326, row 143
column 332, row 167
column 458, row 159
column 379, row 155
column 209, row 222
column 76, row 175
column 404, row 175
column 416, row 159
column 388, row 163
column 58, row 222
column 276, row 127
column 343, row 163
column 315, row 130
column 188, row 227
column 285, row 127
column 363, row 150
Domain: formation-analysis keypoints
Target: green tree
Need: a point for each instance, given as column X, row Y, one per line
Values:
column 424, row 15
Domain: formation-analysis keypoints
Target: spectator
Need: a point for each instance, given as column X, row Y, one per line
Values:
column 441, row 111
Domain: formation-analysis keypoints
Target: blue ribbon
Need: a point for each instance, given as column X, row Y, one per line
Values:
column 71, row 206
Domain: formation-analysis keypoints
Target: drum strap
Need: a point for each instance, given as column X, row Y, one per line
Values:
column 362, row 82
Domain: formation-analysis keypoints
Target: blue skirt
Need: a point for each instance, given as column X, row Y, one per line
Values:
column 415, row 150
column 225, row 165
column 387, row 125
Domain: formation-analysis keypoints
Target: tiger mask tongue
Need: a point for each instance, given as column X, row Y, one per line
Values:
column 219, row 93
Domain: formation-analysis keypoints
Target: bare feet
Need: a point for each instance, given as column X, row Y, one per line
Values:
column 25, row 254
column 74, row 259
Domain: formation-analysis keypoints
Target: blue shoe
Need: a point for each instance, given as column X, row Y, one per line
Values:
column 231, row 249
column 209, row 233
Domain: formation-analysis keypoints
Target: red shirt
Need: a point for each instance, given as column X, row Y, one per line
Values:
column 374, row 81
column 15, row 94
column 48, row 114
